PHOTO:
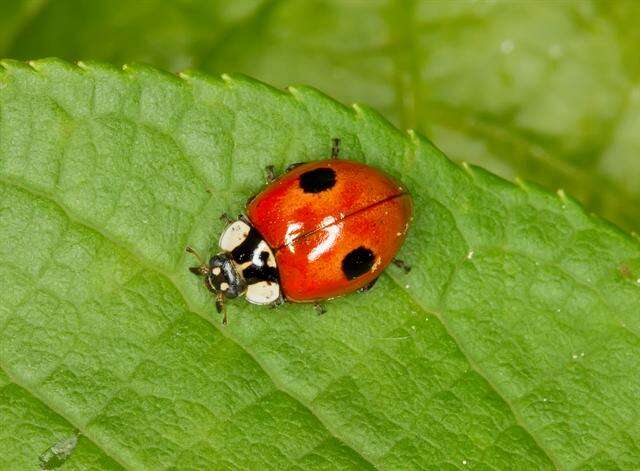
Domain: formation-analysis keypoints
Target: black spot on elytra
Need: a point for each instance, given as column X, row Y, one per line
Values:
column 317, row 180
column 357, row 262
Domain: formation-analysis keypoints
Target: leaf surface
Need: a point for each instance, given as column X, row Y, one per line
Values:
column 513, row 343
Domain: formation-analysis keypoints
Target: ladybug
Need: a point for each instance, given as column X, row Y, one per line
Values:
column 321, row 230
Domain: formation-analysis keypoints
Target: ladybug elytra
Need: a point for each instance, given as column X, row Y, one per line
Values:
column 321, row 230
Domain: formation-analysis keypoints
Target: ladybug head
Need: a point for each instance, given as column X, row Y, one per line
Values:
column 220, row 277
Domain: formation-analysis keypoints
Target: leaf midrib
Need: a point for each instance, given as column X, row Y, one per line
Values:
column 277, row 384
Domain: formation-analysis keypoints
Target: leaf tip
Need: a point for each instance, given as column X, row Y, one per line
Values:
column 293, row 91
column 467, row 168
column 34, row 65
column 226, row 78
column 9, row 65
column 413, row 136
column 358, row 109
column 521, row 183
column 562, row 195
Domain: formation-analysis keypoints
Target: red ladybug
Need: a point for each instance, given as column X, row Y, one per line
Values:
column 321, row 230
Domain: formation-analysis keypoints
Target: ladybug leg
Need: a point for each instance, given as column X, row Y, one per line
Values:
column 270, row 172
column 292, row 166
column 368, row 286
column 320, row 309
column 226, row 218
column 402, row 264
column 221, row 308
column 245, row 219
column 277, row 303
column 335, row 148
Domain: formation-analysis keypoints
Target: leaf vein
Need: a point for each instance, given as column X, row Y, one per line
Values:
column 25, row 187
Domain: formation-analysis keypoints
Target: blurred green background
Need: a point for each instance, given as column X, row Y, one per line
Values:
column 545, row 90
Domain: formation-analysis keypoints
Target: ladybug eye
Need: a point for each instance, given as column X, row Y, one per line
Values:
column 357, row 262
column 317, row 180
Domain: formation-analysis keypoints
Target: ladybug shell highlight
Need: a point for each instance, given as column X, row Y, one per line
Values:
column 334, row 226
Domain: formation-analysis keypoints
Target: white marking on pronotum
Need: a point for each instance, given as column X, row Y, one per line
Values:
column 216, row 271
column 234, row 235
column 263, row 247
column 263, row 292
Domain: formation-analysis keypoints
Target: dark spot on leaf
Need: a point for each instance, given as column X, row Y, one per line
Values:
column 357, row 262
column 317, row 180
column 625, row 271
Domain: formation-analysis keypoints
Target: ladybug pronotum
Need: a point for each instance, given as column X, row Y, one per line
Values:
column 321, row 230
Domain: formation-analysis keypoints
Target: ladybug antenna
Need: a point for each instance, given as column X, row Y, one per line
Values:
column 221, row 307
column 201, row 269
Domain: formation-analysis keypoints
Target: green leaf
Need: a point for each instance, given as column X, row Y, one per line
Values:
column 549, row 91
column 513, row 343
